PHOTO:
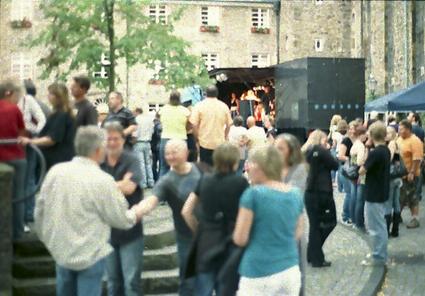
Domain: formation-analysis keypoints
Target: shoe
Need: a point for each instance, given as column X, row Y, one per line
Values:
column 372, row 262
column 414, row 223
column 323, row 264
column 347, row 222
column 26, row 229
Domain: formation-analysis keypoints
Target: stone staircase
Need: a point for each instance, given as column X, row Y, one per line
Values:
column 34, row 268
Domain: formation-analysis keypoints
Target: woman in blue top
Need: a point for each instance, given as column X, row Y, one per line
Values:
column 269, row 223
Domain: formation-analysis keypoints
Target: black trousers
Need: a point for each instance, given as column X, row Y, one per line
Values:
column 322, row 217
column 193, row 150
column 205, row 155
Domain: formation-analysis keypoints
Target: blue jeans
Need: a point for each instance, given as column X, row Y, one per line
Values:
column 18, row 191
column 377, row 226
column 206, row 284
column 144, row 154
column 124, row 269
column 163, row 166
column 353, row 200
column 340, row 179
column 80, row 283
column 347, row 200
column 359, row 209
column 186, row 286
column 393, row 202
column 30, row 184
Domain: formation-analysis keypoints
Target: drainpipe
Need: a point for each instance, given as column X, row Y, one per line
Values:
column 277, row 14
column 406, row 43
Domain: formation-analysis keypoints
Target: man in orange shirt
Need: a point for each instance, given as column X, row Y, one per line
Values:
column 211, row 122
column 412, row 155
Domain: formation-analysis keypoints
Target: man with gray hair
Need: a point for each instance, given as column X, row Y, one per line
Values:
column 175, row 187
column 77, row 206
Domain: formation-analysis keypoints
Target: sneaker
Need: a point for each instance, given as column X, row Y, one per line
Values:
column 414, row 223
column 26, row 229
column 347, row 223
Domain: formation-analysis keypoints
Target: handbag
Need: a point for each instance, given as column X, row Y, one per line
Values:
column 397, row 168
column 351, row 171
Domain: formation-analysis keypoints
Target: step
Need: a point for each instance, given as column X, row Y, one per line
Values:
column 155, row 282
column 31, row 246
column 44, row 266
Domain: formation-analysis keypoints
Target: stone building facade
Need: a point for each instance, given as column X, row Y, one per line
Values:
column 388, row 34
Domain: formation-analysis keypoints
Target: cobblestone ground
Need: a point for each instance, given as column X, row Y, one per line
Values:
column 345, row 249
column 406, row 271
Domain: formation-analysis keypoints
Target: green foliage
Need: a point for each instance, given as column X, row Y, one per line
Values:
column 78, row 32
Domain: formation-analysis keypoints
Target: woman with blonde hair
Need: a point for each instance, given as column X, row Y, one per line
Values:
column 318, row 197
column 344, row 150
column 269, row 224
column 56, row 139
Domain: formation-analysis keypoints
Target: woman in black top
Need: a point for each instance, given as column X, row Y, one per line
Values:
column 218, row 197
column 319, row 200
column 344, row 157
column 56, row 139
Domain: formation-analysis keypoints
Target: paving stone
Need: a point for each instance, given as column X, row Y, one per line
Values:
column 406, row 270
column 345, row 248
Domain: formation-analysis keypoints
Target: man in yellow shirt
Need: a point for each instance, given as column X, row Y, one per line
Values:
column 211, row 122
column 412, row 155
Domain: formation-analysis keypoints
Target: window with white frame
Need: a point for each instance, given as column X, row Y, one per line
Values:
column 21, row 66
column 158, row 13
column 260, row 60
column 210, row 15
column 211, row 60
column 319, row 44
column 21, row 9
column 260, row 18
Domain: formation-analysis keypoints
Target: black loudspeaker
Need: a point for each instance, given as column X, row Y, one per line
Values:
column 246, row 109
column 310, row 91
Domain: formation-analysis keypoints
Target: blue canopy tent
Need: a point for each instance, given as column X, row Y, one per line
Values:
column 409, row 99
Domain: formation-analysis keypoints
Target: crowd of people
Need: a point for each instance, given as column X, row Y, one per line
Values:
column 236, row 189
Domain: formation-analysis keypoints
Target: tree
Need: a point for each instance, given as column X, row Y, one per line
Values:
column 79, row 32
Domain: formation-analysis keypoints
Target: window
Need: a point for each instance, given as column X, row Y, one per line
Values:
column 260, row 60
column 158, row 13
column 21, row 9
column 21, row 66
column 260, row 18
column 209, row 15
column 211, row 60
column 318, row 44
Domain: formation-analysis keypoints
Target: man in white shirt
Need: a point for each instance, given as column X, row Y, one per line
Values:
column 142, row 148
column 35, row 120
column 238, row 137
column 77, row 206
column 256, row 135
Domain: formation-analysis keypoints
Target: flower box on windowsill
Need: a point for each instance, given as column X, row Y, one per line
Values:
column 21, row 24
column 210, row 29
column 260, row 30
column 156, row 82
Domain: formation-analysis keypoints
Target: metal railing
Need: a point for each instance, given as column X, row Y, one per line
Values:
column 42, row 168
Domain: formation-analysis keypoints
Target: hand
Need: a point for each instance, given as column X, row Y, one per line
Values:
column 139, row 212
column 410, row 177
column 24, row 141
